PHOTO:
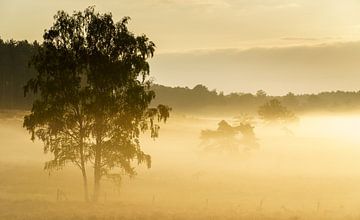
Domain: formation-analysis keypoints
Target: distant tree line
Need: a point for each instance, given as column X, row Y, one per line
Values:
column 202, row 100
column 15, row 72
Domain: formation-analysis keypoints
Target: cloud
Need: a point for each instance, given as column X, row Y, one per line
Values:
column 197, row 3
column 300, row 39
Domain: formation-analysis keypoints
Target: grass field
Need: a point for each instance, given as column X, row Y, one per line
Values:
column 310, row 174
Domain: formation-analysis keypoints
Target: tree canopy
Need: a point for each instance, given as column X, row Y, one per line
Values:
column 229, row 139
column 14, row 72
column 275, row 111
column 93, row 95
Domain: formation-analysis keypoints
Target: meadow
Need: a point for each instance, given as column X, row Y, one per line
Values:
column 305, row 170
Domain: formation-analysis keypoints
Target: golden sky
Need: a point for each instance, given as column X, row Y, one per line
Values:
column 221, row 33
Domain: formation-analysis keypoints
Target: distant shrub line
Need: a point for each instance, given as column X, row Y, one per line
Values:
column 15, row 72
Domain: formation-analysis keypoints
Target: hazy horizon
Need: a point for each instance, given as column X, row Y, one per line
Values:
column 99, row 136
column 231, row 46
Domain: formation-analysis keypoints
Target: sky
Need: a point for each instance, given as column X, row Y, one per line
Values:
column 303, row 46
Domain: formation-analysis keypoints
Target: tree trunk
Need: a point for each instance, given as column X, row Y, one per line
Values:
column 82, row 160
column 97, row 173
column 86, row 189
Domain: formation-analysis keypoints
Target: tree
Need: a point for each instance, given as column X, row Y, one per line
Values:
column 93, row 96
column 225, row 137
column 14, row 72
column 290, row 100
column 261, row 94
column 275, row 111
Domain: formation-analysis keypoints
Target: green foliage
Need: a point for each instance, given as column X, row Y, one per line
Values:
column 275, row 111
column 94, row 94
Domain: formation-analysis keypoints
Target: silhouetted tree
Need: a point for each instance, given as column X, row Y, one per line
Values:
column 290, row 100
column 14, row 72
column 94, row 95
column 275, row 111
column 261, row 94
column 225, row 138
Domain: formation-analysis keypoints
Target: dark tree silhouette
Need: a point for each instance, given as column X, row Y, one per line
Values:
column 225, row 138
column 14, row 72
column 290, row 100
column 94, row 95
column 275, row 111
column 261, row 94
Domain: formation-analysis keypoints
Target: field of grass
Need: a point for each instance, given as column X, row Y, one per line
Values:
column 310, row 174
